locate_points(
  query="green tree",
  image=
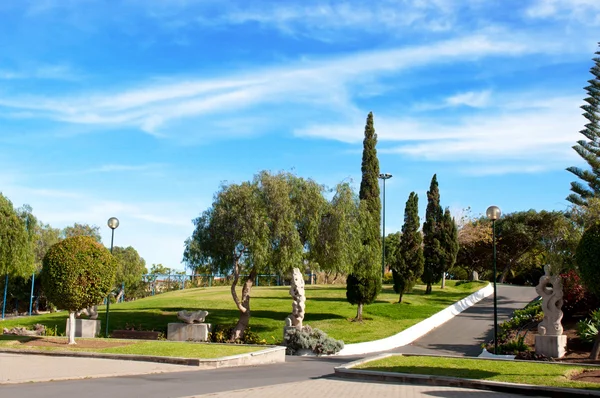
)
(338, 241)
(251, 228)
(588, 258)
(77, 229)
(46, 237)
(130, 268)
(78, 273)
(159, 269)
(589, 149)
(449, 242)
(392, 243)
(16, 254)
(408, 261)
(433, 250)
(364, 283)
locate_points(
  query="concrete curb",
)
(273, 354)
(420, 329)
(346, 372)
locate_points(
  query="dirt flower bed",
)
(57, 342)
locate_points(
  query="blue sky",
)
(140, 108)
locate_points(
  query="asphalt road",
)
(464, 334)
(461, 335)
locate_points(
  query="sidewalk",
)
(333, 388)
(16, 368)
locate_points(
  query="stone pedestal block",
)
(551, 346)
(188, 331)
(87, 328)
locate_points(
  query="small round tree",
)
(588, 260)
(78, 273)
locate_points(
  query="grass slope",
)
(504, 371)
(326, 309)
(156, 348)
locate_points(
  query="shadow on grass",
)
(22, 339)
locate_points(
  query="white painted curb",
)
(420, 329)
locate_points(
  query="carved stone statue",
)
(192, 316)
(91, 312)
(299, 297)
(550, 288)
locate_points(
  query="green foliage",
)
(78, 273)
(588, 258)
(221, 333)
(589, 150)
(364, 283)
(408, 261)
(16, 248)
(520, 318)
(45, 237)
(449, 240)
(433, 250)
(312, 339)
(130, 268)
(587, 329)
(93, 231)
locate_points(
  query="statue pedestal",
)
(86, 328)
(188, 331)
(551, 346)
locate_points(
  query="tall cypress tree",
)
(449, 243)
(364, 282)
(432, 237)
(589, 150)
(407, 264)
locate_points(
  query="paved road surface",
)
(464, 334)
(310, 376)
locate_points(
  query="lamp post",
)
(494, 213)
(383, 176)
(113, 223)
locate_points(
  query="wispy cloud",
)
(328, 82)
(42, 72)
(578, 11)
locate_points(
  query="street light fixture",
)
(494, 213)
(113, 223)
(383, 176)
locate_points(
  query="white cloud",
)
(578, 11)
(329, 82)
(475, 99)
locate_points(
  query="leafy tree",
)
(589, 150)
(16, 255)
(364, 283)
(449, 242)
(78, 273)
(338, 241)
(46, 237)
(588, 258)
(130, 268)
(82, 230)
(475, 241)
(253, 227)
(433, 249)
(408, 260)
(159, 269)
(392, 243)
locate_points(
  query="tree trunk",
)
(359, 312)
(443, 280)
(596, 348)
(400, 298)
(504, 274)
(243, 304)
(428, 289)
(72, 327)
(121, 292)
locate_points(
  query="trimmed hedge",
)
(78, 272)
(588, 258)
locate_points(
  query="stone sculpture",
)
(192, 316)
(91, 312)
(38, 330)
(299, 297)
(551, 291)
(550, 341)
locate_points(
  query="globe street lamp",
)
(383, 176)
(113, 223)
(494, 213)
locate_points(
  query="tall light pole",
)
(494, 213)
(113, 223)
(383, 176)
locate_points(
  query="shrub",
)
(574, 293)
(78, 273)
(308, 338)
(221, 334)
(587, 329)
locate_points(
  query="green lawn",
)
(157, 348)
(326, 309)
(505, 371)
